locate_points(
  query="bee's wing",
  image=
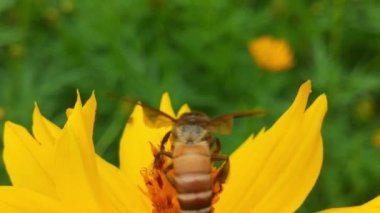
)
(223, 124)
(155, 118)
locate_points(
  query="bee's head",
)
(192, 128)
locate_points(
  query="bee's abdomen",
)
(193, 182)
(195, 201)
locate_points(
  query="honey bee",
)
(194, 149)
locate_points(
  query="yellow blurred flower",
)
(376, 138)
(365, 109)
(51, 14)
(67, 6)
(16, 50)
(57, 170)
(271, 54)
(2, 113)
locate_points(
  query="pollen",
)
(160, 192)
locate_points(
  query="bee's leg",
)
(168, 177)
(159, 161)
(164, 140)
(215, 145)
(222, 174)
(167, 154)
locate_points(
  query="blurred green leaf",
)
(6, 4)
(9, 35)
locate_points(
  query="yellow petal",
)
(28, 162)
(126, 196)
(89, 110)
(284, 162)
(135, 150)
(372, 206)
(44, 130)
(68, 112)
(14, 199)
(115, 183)
(166, 105)
(46, 133)
(76, 175)
(184, 109)
(373, 203)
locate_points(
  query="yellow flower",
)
(376, 138)
(2, 113)
(271, 54)
(67, 6)
(57, 170)
(365, 109)
(16, 50)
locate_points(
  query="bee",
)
(194, 149)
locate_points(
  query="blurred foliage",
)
(197, 50)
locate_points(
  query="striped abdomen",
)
(192, 169)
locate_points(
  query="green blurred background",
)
(197, 51)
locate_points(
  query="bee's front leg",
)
(158, 160)
(223, 171)
(164, 140)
